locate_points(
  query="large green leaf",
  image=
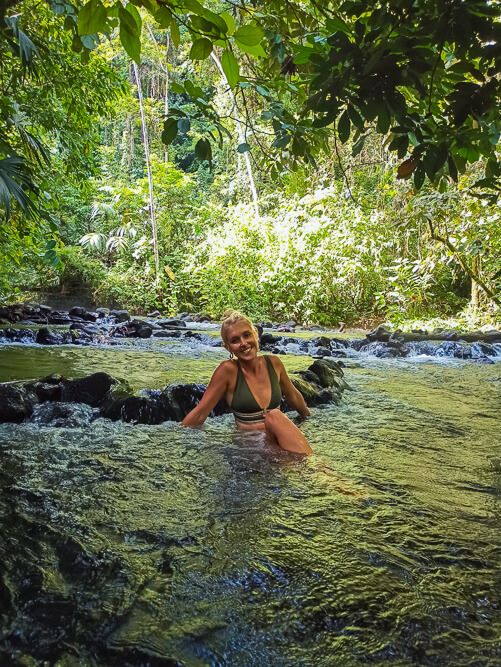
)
(164, 17)
(130, 33)
(230, 67)
(201, 49)
(230, 22)
(170, 131)
(343, 127)
(92, 18)
(250, 34)
(174, 33)
(256, 50)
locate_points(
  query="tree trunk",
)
(166, 94)
(241, 135)
(471, 273)
(476, 291)
(148, 171)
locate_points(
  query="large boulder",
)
(16, 403)
(321, 383)
(92, 389)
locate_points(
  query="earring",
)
(231, 355)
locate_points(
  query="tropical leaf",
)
(230, 67)
(15, 184)
(26, 49)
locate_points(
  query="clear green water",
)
(146, 364)
(132, 545)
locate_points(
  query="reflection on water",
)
(157, 545)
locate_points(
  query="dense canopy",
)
(138, 130)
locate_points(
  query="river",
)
(157, 545)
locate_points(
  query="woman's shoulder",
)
(228, 366)
(276, 362)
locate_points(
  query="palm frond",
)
(26, 49)
(15, 184)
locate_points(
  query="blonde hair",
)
(231, 317)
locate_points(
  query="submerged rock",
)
(65, 415)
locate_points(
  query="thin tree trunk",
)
(241, 135)
(469, 272)
(148, 170)
(166, 94)
(476, 292)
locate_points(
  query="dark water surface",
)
(156, 545)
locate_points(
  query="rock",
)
(16, 403)
(102, 312)
(385, 350)
(57, 317)
(141, 329)
(92, 389)
(326, 373)
(65, 415)
(482, 350)
(132, 329)
(269, 339)
(182, 398)
(322, 352)
(453, 349)
(45, 310)
(381, 334)
(321, 383)
(45, 391)
(287, 327)
(149, 409)
(120, 315)
(90, 329)
(18, 335)
(163, 333)
(321, 341)
(77, 311)
(46, 336)
(155, 313)
(172, 322)
(114, 399)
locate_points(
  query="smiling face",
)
(241, 340)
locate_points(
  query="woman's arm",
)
(293, 396)
(215, 391)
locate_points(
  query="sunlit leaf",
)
(91, 18)
(230, 67)
(201, 49)
(249, 35)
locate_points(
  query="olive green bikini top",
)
(244, 406)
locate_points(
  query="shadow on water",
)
(134, 545)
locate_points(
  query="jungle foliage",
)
(320, 161)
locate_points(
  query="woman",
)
(252, 385)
